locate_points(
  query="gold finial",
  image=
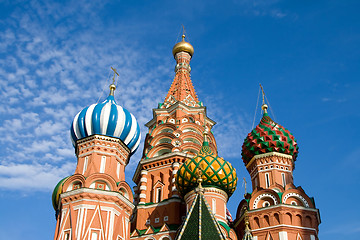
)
(183, 46)
(264, 107)
(112, 85)
(247, 229)
(205, 134)
(199, 176)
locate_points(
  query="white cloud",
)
(29, 177)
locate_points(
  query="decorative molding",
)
(256, 201)
(298, 196)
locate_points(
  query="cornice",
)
(157, 111)
(154, 159)
(99, 192)
(268, 155)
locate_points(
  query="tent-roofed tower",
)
(175, 134)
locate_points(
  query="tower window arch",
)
(169, 130)
(193, 140)
(162, 152)
(163, 140)
(191, 130)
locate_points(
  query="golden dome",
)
(183, 47)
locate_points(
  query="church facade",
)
(182, 185)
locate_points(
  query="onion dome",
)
(108, 119)
(213, 170)
(56, 193)
(267, 137)
(183, 47)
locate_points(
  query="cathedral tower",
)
(175, 134)
(95, 202)
(276, 209)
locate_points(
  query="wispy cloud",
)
(54, 71)
(261, 8)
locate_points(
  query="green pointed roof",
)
(200, 223)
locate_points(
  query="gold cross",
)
(115, 73)
(263, 94)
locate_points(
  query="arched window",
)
(193, 140)
(190, 130)
(162, 152)
(163, 140)
(169, 130)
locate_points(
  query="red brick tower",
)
(96, 203)
(276, 209)
(175, 134)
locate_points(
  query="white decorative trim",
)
(266, 202)
(170, 200)
(283, 225)
(142, 195)
(267, 155)
(100, 192)
(175, 164)
(143, 179)
(142, 187)
(298, 196)
(283, 235)
(262, 196)
(144, 172)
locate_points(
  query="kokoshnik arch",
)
(182, 185)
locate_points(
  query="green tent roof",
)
(200, 223)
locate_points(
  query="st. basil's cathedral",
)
(182, 184)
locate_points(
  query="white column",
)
(283, 236)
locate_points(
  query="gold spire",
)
(183, 46)
(264, 107)
(112, 85)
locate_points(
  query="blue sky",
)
(55, 59)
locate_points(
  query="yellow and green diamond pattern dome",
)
(214, 171)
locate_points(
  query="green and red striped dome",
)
(267, 137)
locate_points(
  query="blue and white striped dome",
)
(109, 119)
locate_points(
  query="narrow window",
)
(103, 163)
(118, 170)
(158, 194)
(256, 182)
(94, 236)
(67, 236)
(85, 164)
(267, 180)
(283, 179)
(214, 206)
